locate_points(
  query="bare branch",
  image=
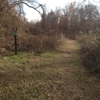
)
(35, 8)
(3, 7)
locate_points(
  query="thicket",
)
(90, 50)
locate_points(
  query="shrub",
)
(38, 44)
(90, 51)
(28, 42)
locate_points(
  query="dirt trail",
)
(73, 91)
(72, 81)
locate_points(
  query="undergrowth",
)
(90, 51)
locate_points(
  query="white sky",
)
(50, 4)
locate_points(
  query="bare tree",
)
(18, 5)
(79, 18)
(11, 13)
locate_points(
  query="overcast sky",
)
(50, 4)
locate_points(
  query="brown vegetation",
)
(90, 51)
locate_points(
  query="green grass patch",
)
(18, 58)
(14, 59)
(39, 76)
(33, 92)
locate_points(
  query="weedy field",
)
(56, 75)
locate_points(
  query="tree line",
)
(72, 19)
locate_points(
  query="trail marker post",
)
(15, 37)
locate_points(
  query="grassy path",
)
(54, 75)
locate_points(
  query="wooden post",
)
(15, 37)
(15, 44)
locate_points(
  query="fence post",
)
(15, 37)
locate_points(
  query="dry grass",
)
(56, 75)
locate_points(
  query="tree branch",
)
(3, 7)
(35, 8)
